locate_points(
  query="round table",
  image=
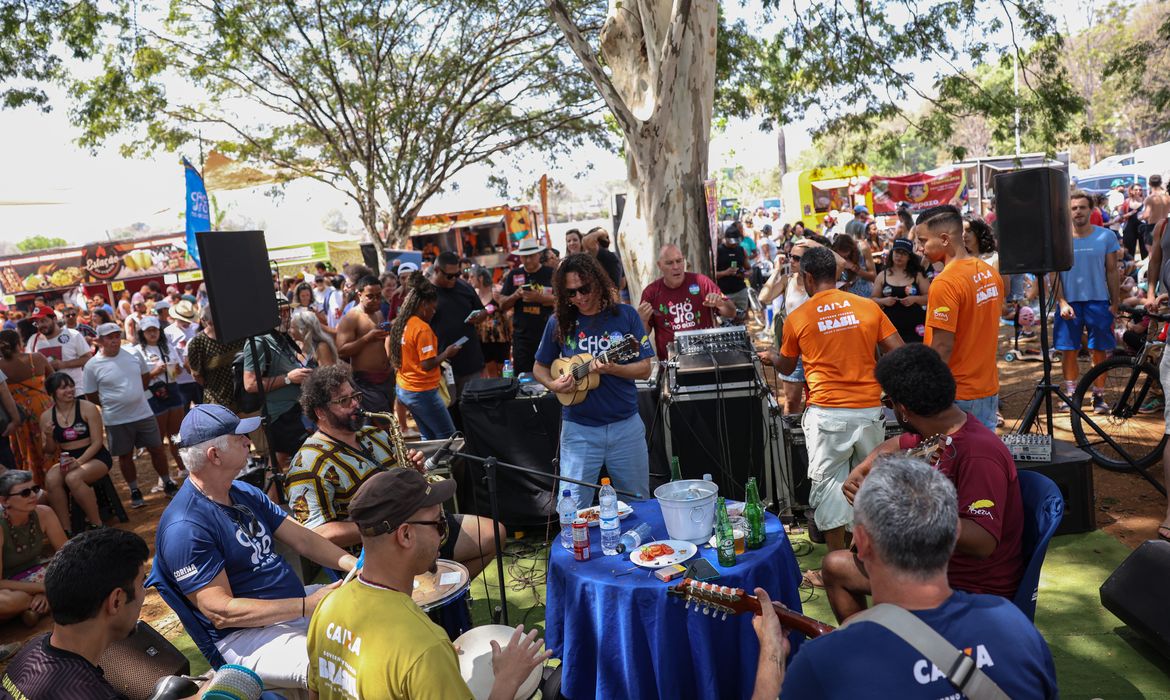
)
(623, 637)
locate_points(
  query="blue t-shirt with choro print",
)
(615, 398)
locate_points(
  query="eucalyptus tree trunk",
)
(661, 90)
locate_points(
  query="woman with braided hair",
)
(605, 428)
(413, 351)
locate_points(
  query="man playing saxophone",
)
(344, 452)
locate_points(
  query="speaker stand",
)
(1046, 390)
(275, 480)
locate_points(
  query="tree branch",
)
(630, 124)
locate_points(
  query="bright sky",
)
(81, 196)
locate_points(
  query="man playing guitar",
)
(987, 556)
(605, 428)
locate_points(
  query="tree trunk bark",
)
(667, 155)
(782, 153)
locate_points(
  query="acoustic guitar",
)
(713, 599)
(582, 366)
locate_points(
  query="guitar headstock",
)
(624, 350)
(931, 450)
(714, 599)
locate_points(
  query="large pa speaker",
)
(1136, 593)
(1033, 221)
(239, 283)
(134, 664)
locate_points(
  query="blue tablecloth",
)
(623, 637)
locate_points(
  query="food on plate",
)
(590, 514)
(654, 551)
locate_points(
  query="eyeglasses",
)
(251, 526)
(583, 290)
(794, 258)
(448, 275)
(26, 492)
(347, 400)
(440, 525)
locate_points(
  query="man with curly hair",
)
(343, 454)
(605, 428)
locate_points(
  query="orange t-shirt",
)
(836, 334)
(418, 343)
(965, 299)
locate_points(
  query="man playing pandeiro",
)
(605, 428)
(343, 454)
(987, 557)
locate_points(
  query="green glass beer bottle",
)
(675, 470)
(753, 513)
(724, 535)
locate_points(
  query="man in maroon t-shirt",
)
(987, 557)
(680, 300)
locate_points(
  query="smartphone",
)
(701, 570)
(384, 325)
(461, 341)
(473, 315)
(528, 287)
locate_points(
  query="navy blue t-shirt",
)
(1003, 642)
(615, 398)
(198, 538)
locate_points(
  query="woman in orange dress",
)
(25, 372)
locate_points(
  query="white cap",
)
(148, 322)
(407, 267)
(108, 328)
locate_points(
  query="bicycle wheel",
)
(1141, 436)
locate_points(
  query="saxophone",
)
(389, 422)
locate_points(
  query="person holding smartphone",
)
(412, 347)
(527, 291)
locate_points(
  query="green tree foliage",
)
(32, 36)
(40, 243)
(385, 100)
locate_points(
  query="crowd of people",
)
(906, 320)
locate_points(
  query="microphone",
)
(443, 453)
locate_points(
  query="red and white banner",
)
(920, 190)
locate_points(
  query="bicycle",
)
(1137, 439)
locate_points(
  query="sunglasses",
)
(440, 525)
(449, 275)
(251, 525)
(26, 492)
(347, 400)
(583, 290)
(794, 258)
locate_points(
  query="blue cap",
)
(860, 209)
(208, 421)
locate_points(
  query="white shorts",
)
(837, 440)
(278, 653)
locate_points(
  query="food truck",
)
(486, 236)
(810, 195)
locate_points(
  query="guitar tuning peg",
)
(724, 615)
(706, 610)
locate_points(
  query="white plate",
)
(475, 661)
(624, 511)
(683, 550)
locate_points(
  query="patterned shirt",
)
(325, 475)
(212, 361)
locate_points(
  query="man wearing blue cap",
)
(236, 596)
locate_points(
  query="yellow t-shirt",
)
(366, 641)
(418, 343)
(836, 334)
(965, 299)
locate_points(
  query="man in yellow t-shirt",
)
(962, 312)
(836, 334)
(368, 639)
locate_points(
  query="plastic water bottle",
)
(610, 527)
(508, 372)
(567, 510)
(632, 539)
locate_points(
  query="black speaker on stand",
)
(243, 302)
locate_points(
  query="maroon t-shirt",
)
(679, 309)
(984, 475)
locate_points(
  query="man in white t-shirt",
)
(115, 379)
(67, 350)
(180, 332)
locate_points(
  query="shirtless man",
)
(1157, 204)
(361, 340)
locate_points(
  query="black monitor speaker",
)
(239, 283)
(1136, 593)
(1031, 207)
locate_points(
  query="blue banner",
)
(198, 210)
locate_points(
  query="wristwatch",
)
(287, 381)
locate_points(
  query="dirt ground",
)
(1128, 507)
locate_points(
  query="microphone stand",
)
(489, 465)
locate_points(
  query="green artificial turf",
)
(1096, 655)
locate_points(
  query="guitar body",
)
(565, 365)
